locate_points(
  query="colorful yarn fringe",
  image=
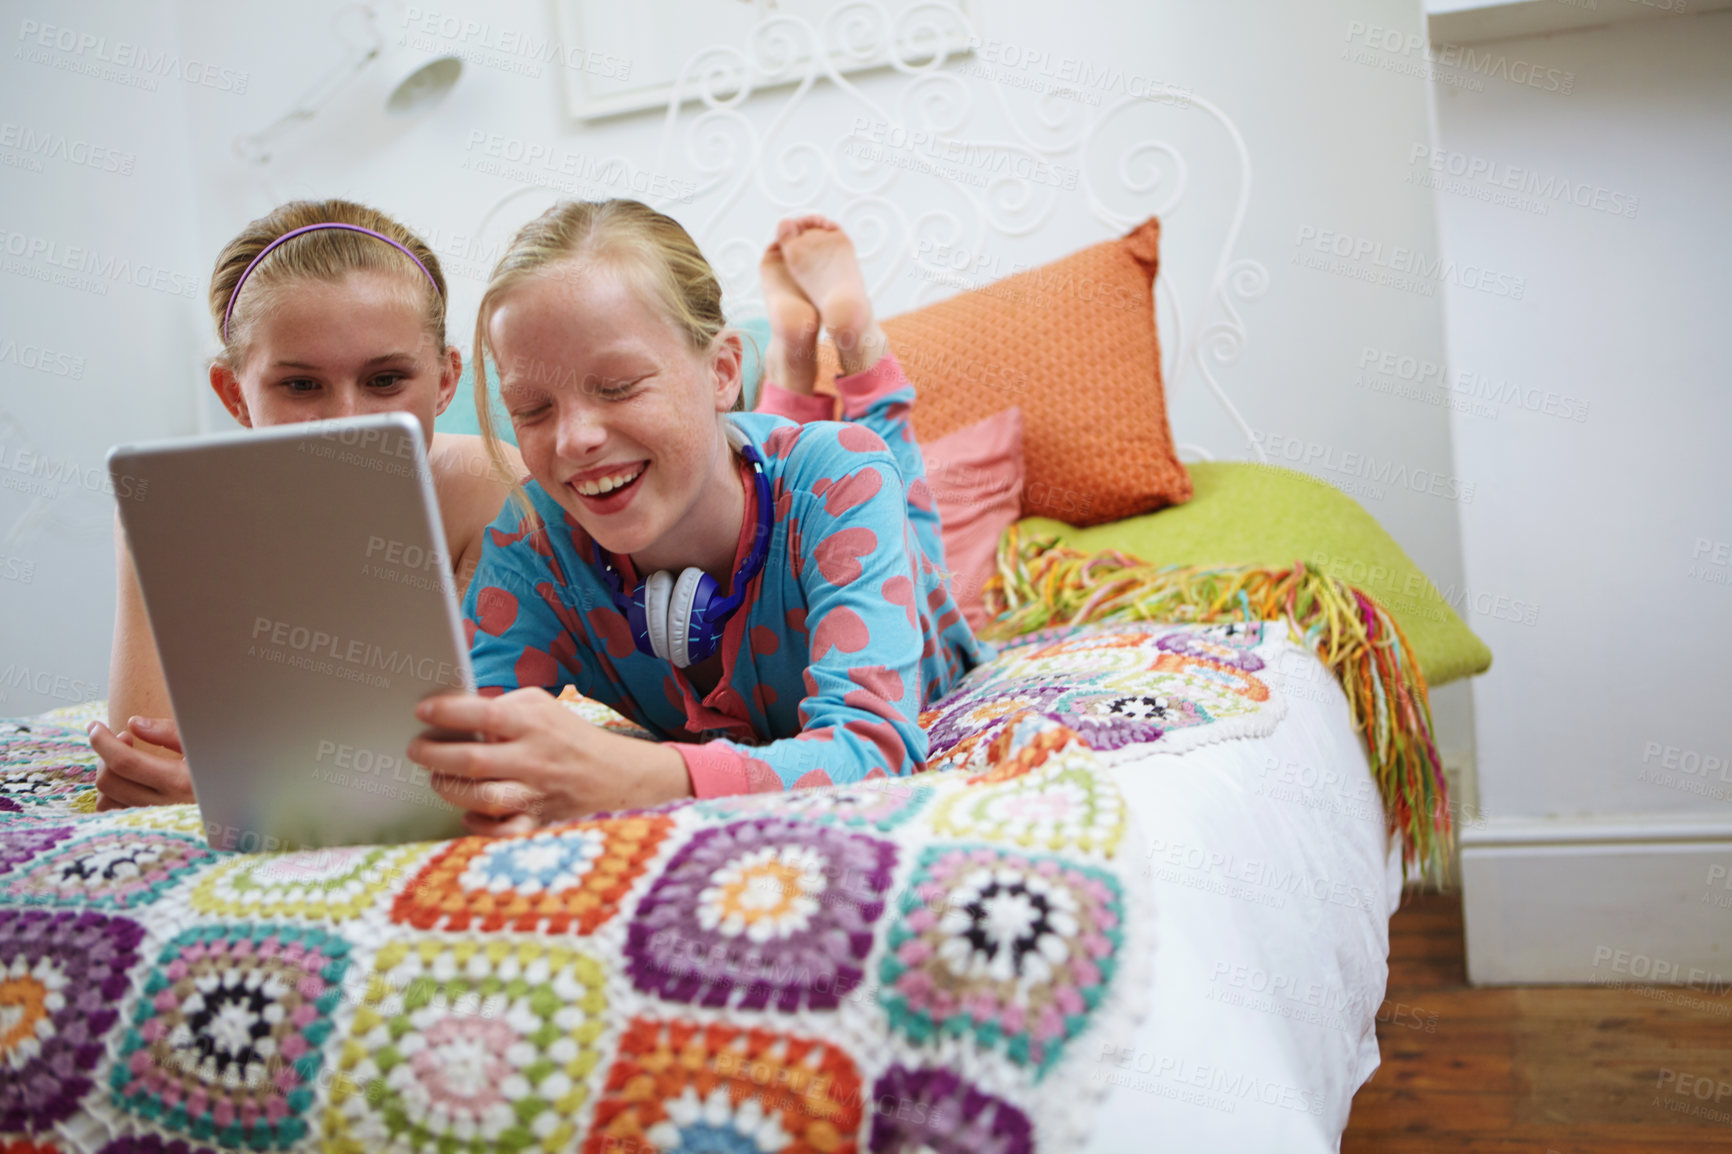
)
(1041, 583)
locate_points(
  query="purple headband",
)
(294, 232)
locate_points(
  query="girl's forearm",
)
(136, 686)
(647, 772)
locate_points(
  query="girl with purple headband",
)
(324, 309)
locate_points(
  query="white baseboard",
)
(1638, 900)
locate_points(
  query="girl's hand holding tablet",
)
(538, 762)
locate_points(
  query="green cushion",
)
(1247, 514)
(459, 415)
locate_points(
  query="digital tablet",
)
(300, 592)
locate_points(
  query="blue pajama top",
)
(846, 633)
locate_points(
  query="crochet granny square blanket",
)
(931, 963)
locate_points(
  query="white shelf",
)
(1473, 21)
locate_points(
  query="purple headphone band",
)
(294, 232)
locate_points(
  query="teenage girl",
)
(325, 309)
(762, 595)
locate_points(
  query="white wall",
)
(1604, 747)
(98, 257)
(1327, 130)
(1599, 521)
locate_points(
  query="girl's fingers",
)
(494, 798)
(158, 731)
(125, 792)
(156, 780)
(465, 759)
(498, 718)
(107, 745)
(480, 825)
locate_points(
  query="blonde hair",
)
(325, 255)
(623, 234)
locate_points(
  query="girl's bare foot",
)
(821, 258)
(791, 361)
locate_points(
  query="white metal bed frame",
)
(726, 142)
(732, 154)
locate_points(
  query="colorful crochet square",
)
(1229, 644)
(600, 715)
(1223, 690)
(941, 1112)
(879, 804)
(469, 1046)
(20, 845)
(151, 1144)
(171, 818)
(1067, 804)
(569, 879)
(1024, 746)
(1014, 949)
(333, 884)
(121, 869)
(680, 1086)
(44, 765)
(226, 1039)
(762, 913)
(959, 727)
(1115, 685)
(61, 975)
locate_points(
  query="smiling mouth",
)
(613, 483)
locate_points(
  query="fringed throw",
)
(1041, 583)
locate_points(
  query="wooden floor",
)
(1538, 1069)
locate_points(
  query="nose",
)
(580, 434)
(346, 402)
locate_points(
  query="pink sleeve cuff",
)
(779, 402)
(715, 770)
(859, 390)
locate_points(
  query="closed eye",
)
(618, 389)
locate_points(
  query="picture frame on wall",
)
(625, 58)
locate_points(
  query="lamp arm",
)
(256, 147)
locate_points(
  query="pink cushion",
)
(976, 475)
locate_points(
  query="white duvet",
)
(1273, 882)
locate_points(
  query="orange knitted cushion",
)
(1073, 344)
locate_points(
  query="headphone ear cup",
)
(688, 640)
(655, 611)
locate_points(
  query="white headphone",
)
(667, 613)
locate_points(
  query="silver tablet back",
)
(301, 596)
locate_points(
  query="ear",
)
(227, 387)
(727, 358)
(449, 375)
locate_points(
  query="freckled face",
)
(346, 348)
(617, 416)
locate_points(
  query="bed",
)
(1175, 823)
(1249, 868)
